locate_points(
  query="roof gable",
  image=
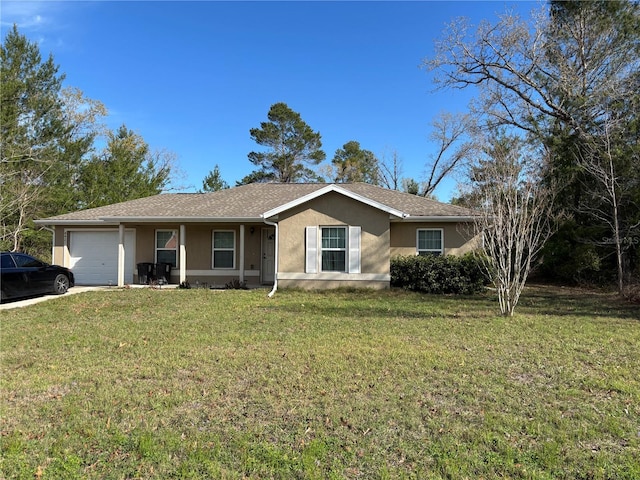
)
(333, 188)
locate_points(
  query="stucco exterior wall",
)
(198, 243)
(253, 246)
(145, 243)
(59, 249)
(404, 237)
(330, 210)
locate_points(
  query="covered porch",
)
(202, 254)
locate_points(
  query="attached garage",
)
(93, 256)
(301, 235)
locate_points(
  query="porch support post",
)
(241, 260)
(121, 255)
(183, 254)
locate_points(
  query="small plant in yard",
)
(155, 384)
(236, 284)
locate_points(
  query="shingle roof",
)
(250, 202)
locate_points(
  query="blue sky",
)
(194, 77)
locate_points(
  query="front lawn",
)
(146, 383)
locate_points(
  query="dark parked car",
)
(25, 276)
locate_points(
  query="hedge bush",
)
(439, 274)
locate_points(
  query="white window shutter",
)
(311, 257)
(354, 249)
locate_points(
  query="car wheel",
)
(61, 284)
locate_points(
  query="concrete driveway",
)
(32, 301)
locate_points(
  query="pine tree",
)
(43, 143)
(292, 146)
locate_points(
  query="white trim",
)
(97, 229)
(121, 264)
(182, 259)
(376, 277)
(443, 219)
(353, 258)
(213, 250)
(222, 273)
(337, 189)
(73, 223)
(157, 219)
(115, 221)
(429, 229)
(311, 249)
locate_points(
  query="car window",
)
(7, 262)
(27, 261)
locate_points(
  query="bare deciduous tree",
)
(554, 79)
(515, 215)
(554, 70)
(450, 134)
(390, 170)
(19, 194)
(604, 204)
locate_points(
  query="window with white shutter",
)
(311, 258)
(332, 249)
(354, 249)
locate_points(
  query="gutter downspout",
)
(275, 269)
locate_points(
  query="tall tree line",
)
(568, 84)
(49, 164)
(293, 153)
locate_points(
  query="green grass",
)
(146, 383)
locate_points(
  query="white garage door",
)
(94, 257)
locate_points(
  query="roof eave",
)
(165, 219)
(64, 222)
(333, 188)
(118, 220)
(439, 218)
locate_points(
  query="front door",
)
(268, 269)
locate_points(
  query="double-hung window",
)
(224, 249)
(167, 247)
(429, 241)
(334, 249)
